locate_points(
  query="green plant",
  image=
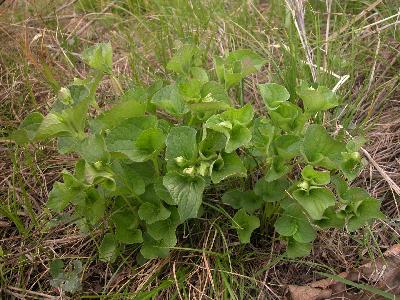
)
(143, 173)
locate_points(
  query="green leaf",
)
(169, 99)
(121, 138)
(61, 195)
(288, 117)
(148, 145)
(51, 126)
(26, 131)
(165, 229)
(129, 181)
(316, 100)
(250, 61)
(315, 201)
(247, 200)
(186, 191)
(320, 149)
(117, 115)
(153, 211)
(278, 168)
(126, 230)
(351, 164)
(286, 225)
(99, 175)
(242, 116)
(93, 149)
(263, 133)
(296, 249)
(315, 177)
(183, 59)
(368, 210)
(199, 74)
(212, 143)
(273, 95)
(332, 219)
(232, 123)
(181, 145)
(271, 191)
(232, 166)
(294, 223)
(99, 57)
(287, 146)
(108, 250)
(245, 225)
(215, 91)
(152, 248)
(93, 206)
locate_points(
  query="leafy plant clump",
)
(145, 163)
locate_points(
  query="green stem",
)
(156, 165)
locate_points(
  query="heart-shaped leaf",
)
(273, 95)
(245, 224)
(315, 201)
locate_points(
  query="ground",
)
(350, 45)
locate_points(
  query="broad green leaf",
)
(271, 191)
(126, 230)
(287, 146)
(242, 116)
(183, 59)
(247, 200)
(294, 223)
(351, 164)
(93, 149)
(296, 249)
(368, 210)
(61, 195)
(286, 225)
(148, 145)
(152, 248)
(332, 218)
(320, 149)
(162, 192)
(245, 225)
(26, 132)
(250, 61)
(215, 91)
(341, 185)
(199, 74)
(289, 117)
(181, 145)
(278, 168)
(128, 180)
(121, 138)
(315, 201)
(190, 89)
(108, 250)
(263, 133)
(232, 166)
(117, 115)
(186, 191)
(212, 143)
(273, 95)
(165, 229)
(153, 211)
(315, 177)
(99, 175)
(169, 99)
(93, 206)
(239, 136)
(355, 144)
(51, 126)
(316, 100)
(99, 57)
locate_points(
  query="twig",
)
(381, 171)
